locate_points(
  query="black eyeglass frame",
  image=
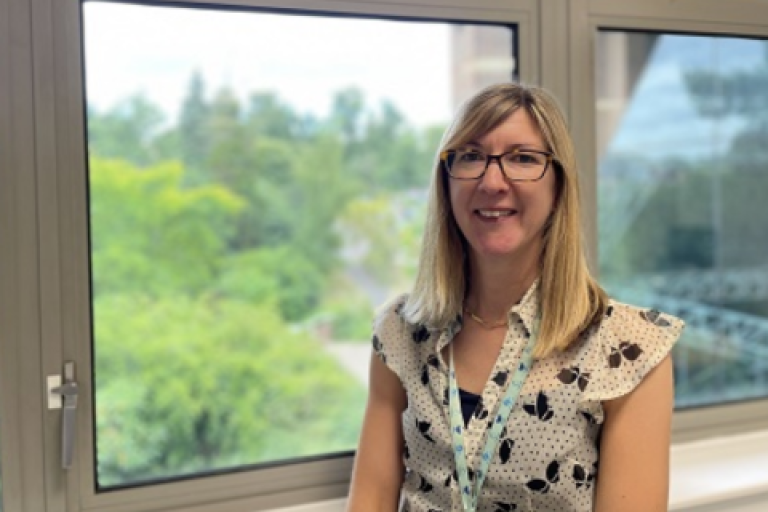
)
(551, 160)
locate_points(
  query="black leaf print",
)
(481, 412)
(541, 408)
(583, 381)
(505, 450)
(424, 486)
(424, 427)
(630, 350)
(568, 375)
(504, 507)
(501, 378)
(579, 473)
(574, 374)
(470, 474)
(589, 417)
(421, 334)
(582, 477)
(446, 397)
(654, 316)
(406, 451)
(553, 472)
(433, 361)
(608, 311)
(537, 485)
(425, 375)
(377, 343)
(552, 477)
(455, 476)
(626, 350)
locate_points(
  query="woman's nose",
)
(494, 179)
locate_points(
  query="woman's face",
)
(503, 219)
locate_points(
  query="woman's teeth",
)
(495, 213)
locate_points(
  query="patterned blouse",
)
(547, 458)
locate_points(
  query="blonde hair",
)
(570, 298)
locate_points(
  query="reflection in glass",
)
(683, 172)
(257, 185)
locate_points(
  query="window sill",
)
(719, 471)
(713, 472)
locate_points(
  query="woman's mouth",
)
(495, 213)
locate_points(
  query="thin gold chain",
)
(483, 323)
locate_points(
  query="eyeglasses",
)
(517, 165)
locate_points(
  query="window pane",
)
(257, 183)
(682, 130)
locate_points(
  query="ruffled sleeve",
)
(389, 336)
(630, 342)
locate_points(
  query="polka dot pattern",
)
(547, 458)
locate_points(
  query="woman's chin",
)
(503, 250)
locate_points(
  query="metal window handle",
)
(68, 392)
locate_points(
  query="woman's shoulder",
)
(627, 343)
(645, 323)
(397, 341)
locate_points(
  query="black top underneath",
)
(468, 404)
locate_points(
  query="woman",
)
(507, 374)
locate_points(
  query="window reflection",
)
(683, 170)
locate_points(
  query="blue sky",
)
(662, 119)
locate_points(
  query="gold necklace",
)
(486, 325)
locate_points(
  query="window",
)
(257, 182)
(683, 170)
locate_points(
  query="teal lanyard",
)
(470, 496)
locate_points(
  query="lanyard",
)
(470, 496)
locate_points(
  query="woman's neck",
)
(494, 288)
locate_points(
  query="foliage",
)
(216, 243)
(187, 385)
(280, 275)
(150, 235)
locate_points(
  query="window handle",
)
(68, 392)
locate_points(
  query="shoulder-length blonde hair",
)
(570, 299)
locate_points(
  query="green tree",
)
(179, 390)
(193, 130)
(152, 235)
(281, 276)
(127, 132)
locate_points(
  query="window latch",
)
(63, 395)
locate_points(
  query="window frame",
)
(660, 16)
(21, 415)
(63, 209)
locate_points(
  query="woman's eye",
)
(472, 156)
(524, 158)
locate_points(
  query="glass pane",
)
(257, 183)
(682, 130)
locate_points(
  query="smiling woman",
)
(544, 379)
